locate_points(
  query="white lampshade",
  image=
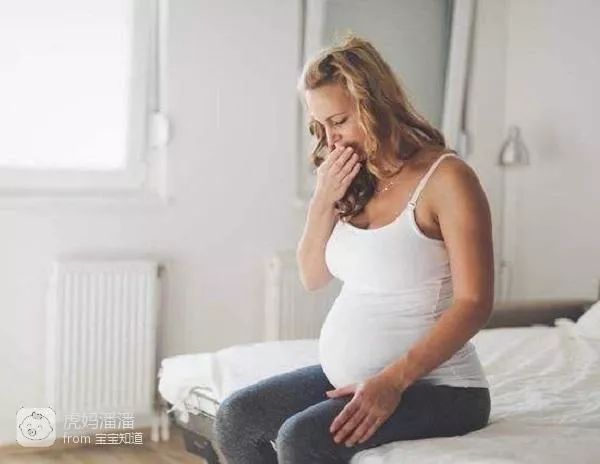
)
(513, 152)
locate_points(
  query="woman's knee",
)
(293, 437)
(232, 414)
(302, 438)
(294, 429)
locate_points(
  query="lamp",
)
(513, 153)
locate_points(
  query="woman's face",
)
(333, 107)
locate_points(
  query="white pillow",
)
(588, 325)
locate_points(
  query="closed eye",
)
(340, 122)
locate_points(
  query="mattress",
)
(544, 387)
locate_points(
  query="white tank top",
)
(396, 284)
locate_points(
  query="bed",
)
(542, 361)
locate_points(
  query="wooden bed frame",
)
(198, 432)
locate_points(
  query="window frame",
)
(147, 132)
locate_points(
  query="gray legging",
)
(290, 412)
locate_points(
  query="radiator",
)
(101, 339)
(291, 312)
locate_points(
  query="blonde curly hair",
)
(392, 126)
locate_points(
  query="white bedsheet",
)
(544, 386)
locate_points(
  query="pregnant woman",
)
(405, 225)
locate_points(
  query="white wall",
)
(553, 71)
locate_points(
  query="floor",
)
(170, 452)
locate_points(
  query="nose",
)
(332, 138)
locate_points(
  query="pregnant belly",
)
(359, 338)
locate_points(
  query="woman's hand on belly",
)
(375, 399)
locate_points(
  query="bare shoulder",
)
(454, 169)
(455, 184)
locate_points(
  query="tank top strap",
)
(413, 200)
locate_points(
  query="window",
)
(81, 95)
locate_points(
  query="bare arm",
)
(333, 178)
(310, 253)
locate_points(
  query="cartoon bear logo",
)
(36, 426)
